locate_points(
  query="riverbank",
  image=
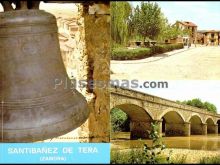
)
(177, 156)
(191, 156)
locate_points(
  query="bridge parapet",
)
(158, 100)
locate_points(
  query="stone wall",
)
(92, 56)
(157, 107)
(177, 129)
(91, 62)
(196, 129)
(97, 38)
(139, 129)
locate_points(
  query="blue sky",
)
(206, 15)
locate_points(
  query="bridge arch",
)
(173, 123)
(178, 113)
(135, 112)
(210, 125)
(159, 108)
(196, 125)
(218, 122)
(140, 120)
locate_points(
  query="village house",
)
(191, 28)
(188, 27)
(209, 37)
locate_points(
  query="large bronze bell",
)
(32, 109)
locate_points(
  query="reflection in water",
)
(122, 140)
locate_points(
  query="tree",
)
(148, 20)
(132, 23)
(119, 120)
(199, 104)
(210, 107)
(171, 31)
(120, 12)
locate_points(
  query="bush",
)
(199, 104)
(130, 54)
(165, 48)
(139, 53)
(119, 120)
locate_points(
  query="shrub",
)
(139, 53)
(119, 120)
(199, 104)
(165, 48)
(153, 153)
(130, 54)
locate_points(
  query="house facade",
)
(188, 27)
(204, 37)
(191, 28)
(209, 37)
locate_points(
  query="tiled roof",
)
(208, 31)
(187, 23)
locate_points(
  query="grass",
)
(210, 160)
(130, 157)
(135, 156)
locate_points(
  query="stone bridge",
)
(174, 119)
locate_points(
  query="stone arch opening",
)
(210, 126)
(218, 122)
(196, 126)
(174, 124)
(163, 125)
(140, 120)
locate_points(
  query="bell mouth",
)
(46, 121)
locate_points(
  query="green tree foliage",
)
(119, 120)
(171, 31)
(132, 24)
(120, 12)
(148, 20)
(199, 104)
(144, 22)
(210, 107)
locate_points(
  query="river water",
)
(210, 142)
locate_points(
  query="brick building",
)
(191, 28)
(209, 37)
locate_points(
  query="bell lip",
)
(45, 132)
(34, 131)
